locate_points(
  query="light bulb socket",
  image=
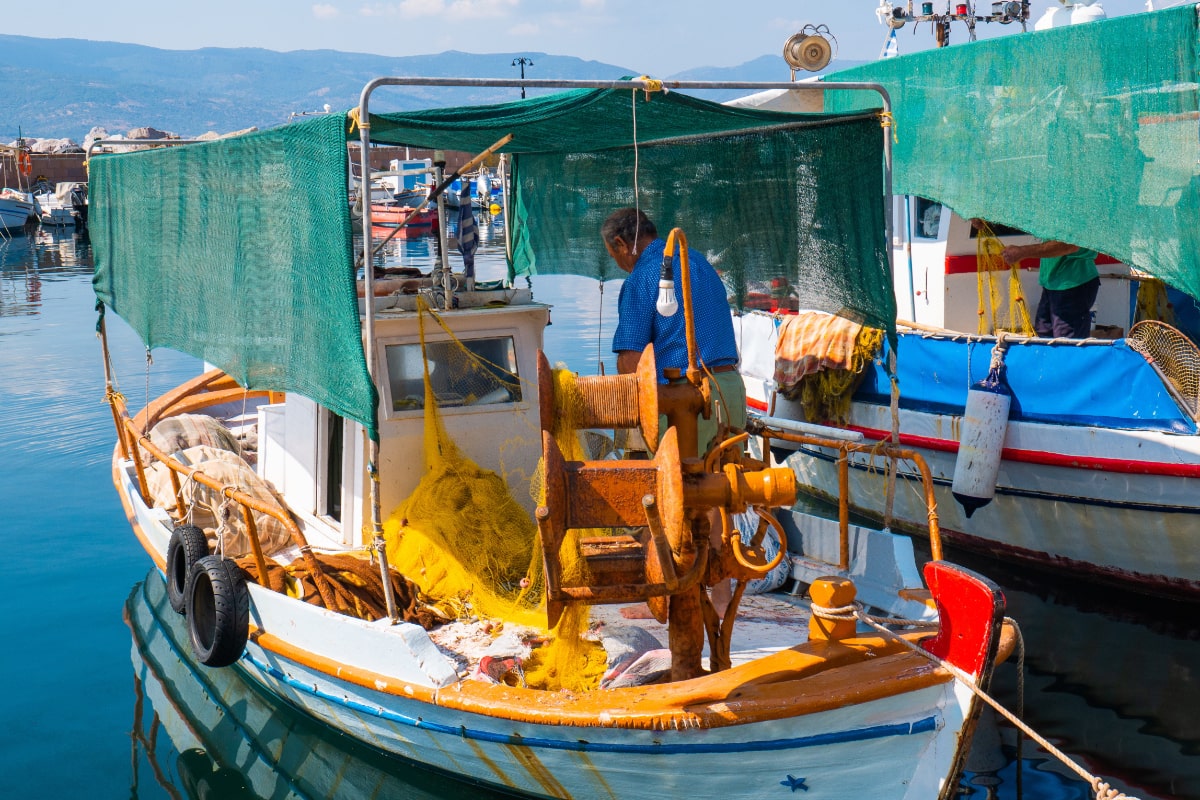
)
(666, 305)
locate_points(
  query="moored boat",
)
(289, 572)
(1098, 457)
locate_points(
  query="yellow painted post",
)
(831, 592)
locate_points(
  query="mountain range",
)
(62, 88)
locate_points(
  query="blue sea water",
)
(94, 706)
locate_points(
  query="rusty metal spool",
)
(608, 401)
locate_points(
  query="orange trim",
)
(803, 680)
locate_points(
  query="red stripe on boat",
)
(1118, 465)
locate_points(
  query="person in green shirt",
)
(1069, 282)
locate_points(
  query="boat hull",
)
(868, 750)
(15, 214)
(1094, 481)
(875, 743)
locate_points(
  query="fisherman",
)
(1069, 282)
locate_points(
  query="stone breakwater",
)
(70, 146)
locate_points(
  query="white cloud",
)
(324, 11)
(592, 4)
(524, 29)
(455, 9)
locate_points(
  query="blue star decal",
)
(794, 783)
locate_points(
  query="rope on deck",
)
(854, 611)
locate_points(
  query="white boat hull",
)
(901, 745)
(868, 750)
(14, 214)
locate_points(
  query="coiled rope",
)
(854, 611)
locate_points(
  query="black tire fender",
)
(218, 611)
(187, 546)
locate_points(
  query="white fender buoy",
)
(985, 421)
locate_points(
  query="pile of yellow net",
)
(826, 395)
(473, 549)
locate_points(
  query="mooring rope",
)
(1103, 791)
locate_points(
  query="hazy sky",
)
(661, 37)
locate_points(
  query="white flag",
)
(890, 47)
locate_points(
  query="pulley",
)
(810, 49)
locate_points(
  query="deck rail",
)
(846, 442)
(210, 389)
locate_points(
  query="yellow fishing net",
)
(992, 319)
(472, 548)
(826, 395)
(1152, 301)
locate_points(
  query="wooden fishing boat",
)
(289, 572)
(392, 215)
(1098, 459)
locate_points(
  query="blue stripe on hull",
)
(926, 725)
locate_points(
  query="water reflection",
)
(209, 733)
(27, 260)
(1112, 679)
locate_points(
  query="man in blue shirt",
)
(632, 241)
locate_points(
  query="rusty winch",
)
(664, 509)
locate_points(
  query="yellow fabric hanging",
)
(988, 262)
(1152, 302)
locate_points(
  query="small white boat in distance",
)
(59, 208)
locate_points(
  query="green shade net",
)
(238, 252)
(764, 194)
(1088, 134)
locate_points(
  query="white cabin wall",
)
(356, 512)
(494, 437)
(1114, 302)
(272, 464)
(301, 466)
(919, 267)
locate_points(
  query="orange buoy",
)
(24, 163)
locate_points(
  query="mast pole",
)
(378, 543)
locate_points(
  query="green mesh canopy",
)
(238, 252)
(1088, 134)
(765, 194)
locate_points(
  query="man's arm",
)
(1048, 249)
(627, 361)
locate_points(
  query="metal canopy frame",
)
(643, 84)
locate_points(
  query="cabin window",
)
(473, 372)
(927, 215)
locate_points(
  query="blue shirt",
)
(640, 323)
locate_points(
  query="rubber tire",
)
(188, 545)
(218, 611)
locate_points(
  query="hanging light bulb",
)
(666, 305)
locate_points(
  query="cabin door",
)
(339, 486)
